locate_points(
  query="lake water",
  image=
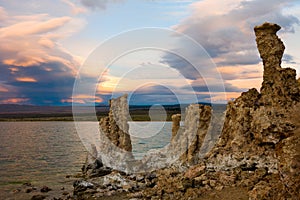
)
(43, 153)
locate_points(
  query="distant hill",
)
(18, 112)
(15, 108)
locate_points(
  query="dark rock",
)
(38, 197)
(45, 189)
(140, 178)
(100, 172)
(98, 163)
(16, 190)
(28, 190)
(81, 185)
(27, 184)
(151, 176)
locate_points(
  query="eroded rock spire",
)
(115, 126)
(279, 86)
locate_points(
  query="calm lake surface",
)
(43, 153)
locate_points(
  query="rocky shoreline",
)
(256, 156)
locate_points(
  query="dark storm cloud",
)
(203, 65)
(48, 87)
(185, 68)
(234, 59)
(288, 59)
(156, 94)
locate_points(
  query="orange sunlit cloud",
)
(22, 28)
(73, 101)
(14, 100)
(244, 72)
(109, 85)
(75, 9)
(247, 83)
(13, 70)
(221, 97)
(26, 79)
(3, 89)
(32, 40)
(82, 99)
(23, 63)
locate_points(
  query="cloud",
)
(201, 86)
(83, 99)
(205, 66)
(32, 27)
(34, 67)
(37, 84)
(3, 14)
(242, 72)
(55, 8)
(166, 94)
(3, 89)
(243, 57)
(225, 29)
(26, 79)
(34, 40)
(75, 9)
(98, 4)
(289, 59)
(14, 101)
(154, 90)
(102, 4)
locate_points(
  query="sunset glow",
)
(83, 99)
(45, 43)
(3, 89)
(26, 79)
(15, 101)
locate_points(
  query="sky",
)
(48, 46)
